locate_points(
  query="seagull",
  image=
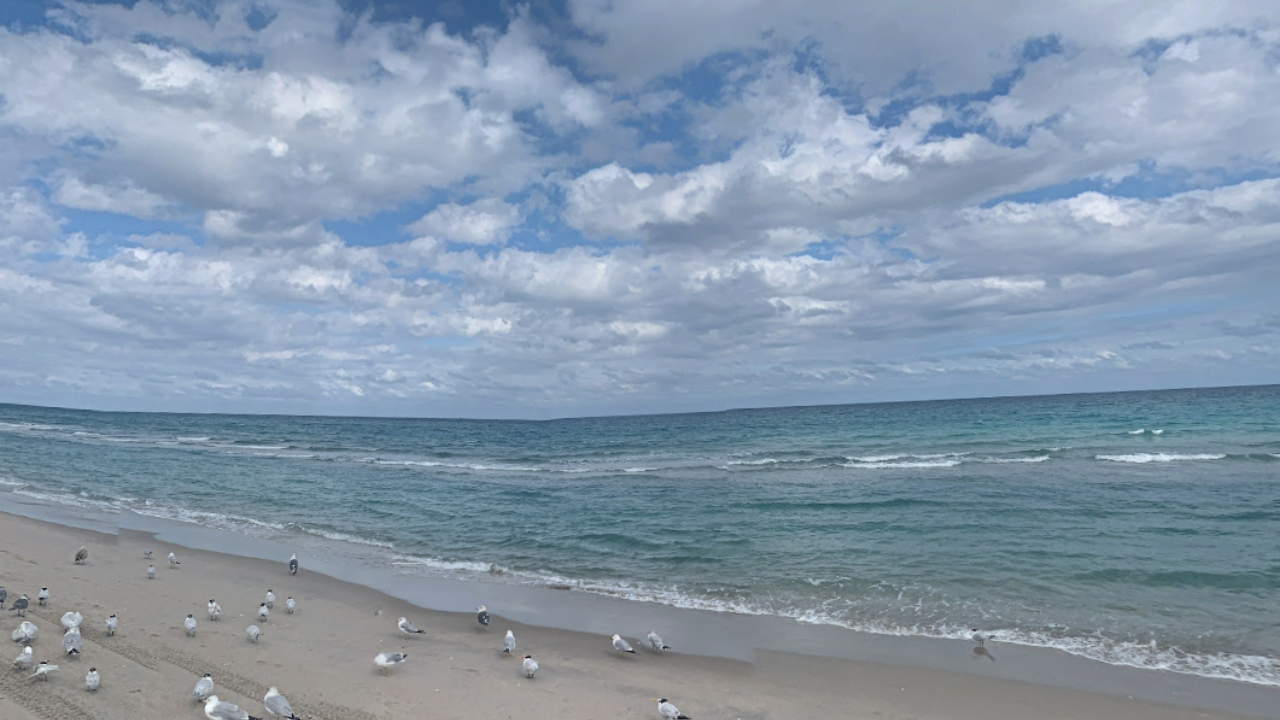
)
(215, 610)
(622, 646)
(277, 705)
(151, 572)
(81, 556)
(25, 632)
(190, 626)
(204, 687)
(530, 666)
(669, 711)
(71, 642)
(289, 605)
(21, 605)
(980, 638)
(42, 597)
(271, 599)
(147, 553)
(263, 612)
(91, 679)
(71, 620)
(253, 632)
(293, 563)
(173, 560)
(508, 643)
(655, 641)
(482, 616)
(3, 594)
(43, 670)
(215, 709)
(386, 660)
(112, 624)
(408, 628)
(25, 659)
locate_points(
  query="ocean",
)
(1138, 528)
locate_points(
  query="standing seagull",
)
(215, 709)
(42, 597)
(20, 605)
(482, 616)
(386, 660)
(530, 666)
(408, 628)
(293, 563)
(981, 639)
(81, 556)
(622, 646)
(146, 553)
(655, 641)
(112, 624)
(71, 620)
(278, 705)
(151, 572)
(71, 642)
(669, 711)
(43, 670)
(91, 679)
(190, 626)
(215, 610)
(253, 632)
(25, 633)
(3, 594)
(173, 560)
(25, 659)
(263, 612)
(509, 644)
(271, 599)
(289, 605)
(203, 689)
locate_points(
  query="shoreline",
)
(774, 656)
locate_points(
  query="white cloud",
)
(483, 222)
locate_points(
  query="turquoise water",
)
(1133, 528)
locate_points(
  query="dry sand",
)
(321, 657)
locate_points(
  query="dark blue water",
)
(1134, 528)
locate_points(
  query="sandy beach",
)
(321, 656)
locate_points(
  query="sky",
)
(620, 206)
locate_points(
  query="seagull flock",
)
(275, 704)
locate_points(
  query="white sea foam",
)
(1144, 431)
(343, 537)
(452, 566)
(1142, 458)
(903, 464)
(1004, 461)
(639, 469)
(69, 499)
(761, 461)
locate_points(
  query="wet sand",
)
(321, 657)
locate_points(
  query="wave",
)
(1143, 458)
(1144, 431)
(903, 464)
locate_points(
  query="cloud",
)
(483, 222)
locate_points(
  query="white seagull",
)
(215, 709)
(43, 670)
(271, 599)
(253, 632)
(289, 605)
(215, 610)
(71, 642)
(91, 679)
(482, 616)
(203, 689)
(293, 563)
(25, 659)
(408, 628)
(980, 638)
(20, 605)
(173, 560)
(622, 646)
(189, 624)
(25, 632)
(277, 705)
(42, 597)
(112, 624)
(530, 666)
(151, 572)
(263, 612)
(669, 711)
(386, 660)
(509, 643)
(82, 555)
(71, 620)
(146, 553)
(655, 641)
